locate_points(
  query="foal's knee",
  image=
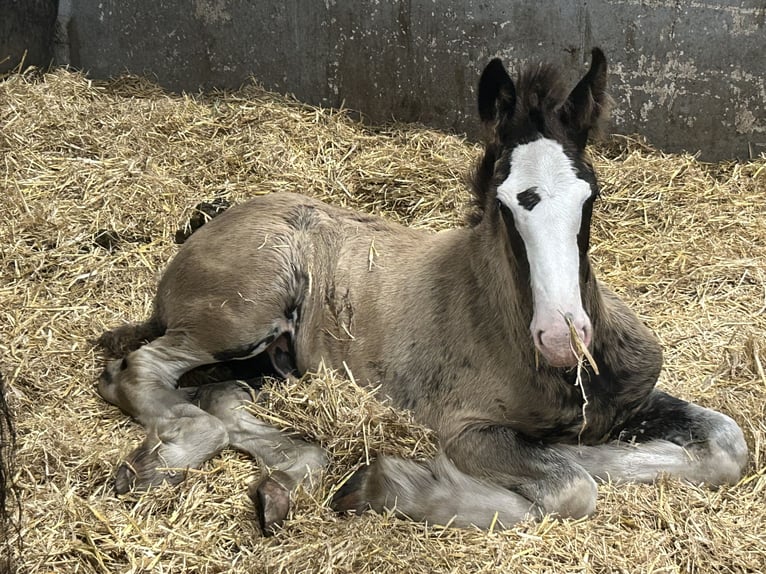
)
(726, 453)
(576, 498)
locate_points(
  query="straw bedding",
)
(96, 181)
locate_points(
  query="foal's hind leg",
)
(669, 436)
(179, 434)
(289, 459)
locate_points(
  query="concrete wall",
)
(688, 74)
(26, 33)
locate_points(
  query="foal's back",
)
(335, 273)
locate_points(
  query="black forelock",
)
(540, 93)
(583, 167)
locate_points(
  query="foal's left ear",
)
(588, 104)
(497, 95)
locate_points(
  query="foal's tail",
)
(125, 339)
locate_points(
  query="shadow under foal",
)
(478, 330)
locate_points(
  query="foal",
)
(476, 330)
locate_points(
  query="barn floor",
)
(96, 179)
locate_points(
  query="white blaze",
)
(549, 231)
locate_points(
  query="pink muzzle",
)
(553, 338)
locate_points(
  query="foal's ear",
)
(497, 96)
(588, 104)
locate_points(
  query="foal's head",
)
(535, 173)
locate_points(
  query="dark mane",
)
(540, 93)
(479, 181)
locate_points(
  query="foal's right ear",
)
(588, 104)
(497, 95)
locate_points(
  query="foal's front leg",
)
(669, 437)
(487, 474)
(434, 491)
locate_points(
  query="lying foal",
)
(477, 330)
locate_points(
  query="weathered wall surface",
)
(26, 33)
(687, 74)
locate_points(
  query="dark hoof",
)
(271, 500)
(146, 467)
(127, 479)
(350, 496)
(124, 478)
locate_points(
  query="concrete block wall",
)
(687, 74)
(26, 33)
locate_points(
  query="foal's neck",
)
(504, 279)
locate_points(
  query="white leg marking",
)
(439, 493)
(721, 459)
